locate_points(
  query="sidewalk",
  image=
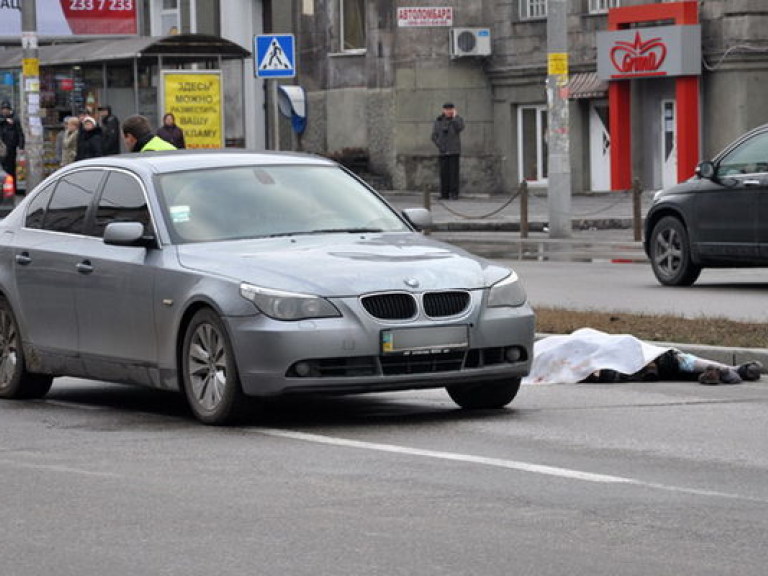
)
(602, 225)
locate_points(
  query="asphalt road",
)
(586, 480)
(736, 294)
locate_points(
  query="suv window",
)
(122, 200)
(71, 199)
(749, 157)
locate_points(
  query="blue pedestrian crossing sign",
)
(275, 56)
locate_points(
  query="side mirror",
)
(706, 170)
(419, 218)
(126, 234)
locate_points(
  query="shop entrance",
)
(668, 144)
(599, 147)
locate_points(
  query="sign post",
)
(275, 58)
(559, 177)
(30, 91)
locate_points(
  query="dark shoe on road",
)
(750, 371)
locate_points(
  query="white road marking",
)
(496, 462)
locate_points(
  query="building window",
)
(532, 143)
(352, 27)
(530, 9)
(170, 17)
(602, 6)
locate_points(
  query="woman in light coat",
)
(69, 142)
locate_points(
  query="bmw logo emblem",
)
(411, 282)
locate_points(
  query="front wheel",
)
(15, 380)
(210, 379)
(481, 395)
(670, 252)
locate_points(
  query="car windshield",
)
(266, 201)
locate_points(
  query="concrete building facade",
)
(376, 77)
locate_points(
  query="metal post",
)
(523, 209)
(559, 194)
(30, 90)
(275, 115)
(636, 209)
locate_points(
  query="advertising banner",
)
(649, 52)
(426, 16)
(194, 98)
(73, 17)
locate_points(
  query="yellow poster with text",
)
(194, 98)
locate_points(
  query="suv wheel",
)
(670, 253)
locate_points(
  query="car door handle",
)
(84, 267)
(23, 258)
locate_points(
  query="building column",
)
(619, 118)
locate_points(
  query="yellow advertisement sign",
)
(30, 67)
(194, 98)
(557, 63)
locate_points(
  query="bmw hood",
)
(343, 264)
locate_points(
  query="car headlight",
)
(288, 305)
(507, 292)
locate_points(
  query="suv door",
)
(727, 207)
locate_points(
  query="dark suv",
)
(717, 219)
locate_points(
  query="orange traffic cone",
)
(9, 190)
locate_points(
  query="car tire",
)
(670, 253)
(210, 379)
(487, 394)
(15, 381)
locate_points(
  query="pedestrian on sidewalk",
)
(138, 136)
(170, 131)
(12, 137)
(446, 136)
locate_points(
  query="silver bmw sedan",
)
(232, 277)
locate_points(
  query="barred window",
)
(530, 9)
(600, 6)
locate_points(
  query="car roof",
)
(180, 160)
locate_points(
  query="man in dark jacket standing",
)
(12, 136)
(110, 131)
(446, 136)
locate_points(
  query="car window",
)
(260, 201)
(749, 157)
(122, 200)
(71, 199)
(36, 208)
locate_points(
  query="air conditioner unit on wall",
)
(470, 42)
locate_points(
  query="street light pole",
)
(30, 91)
(559, 175)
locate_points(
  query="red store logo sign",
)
(639, 57)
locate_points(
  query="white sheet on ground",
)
(571, 358)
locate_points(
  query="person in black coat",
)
(12, 136)
(170, 132)
(89, 144)
(110, 130)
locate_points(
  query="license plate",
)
(428, 340)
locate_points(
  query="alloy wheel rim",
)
(8, 349)
(207, 367)
(668, 251)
